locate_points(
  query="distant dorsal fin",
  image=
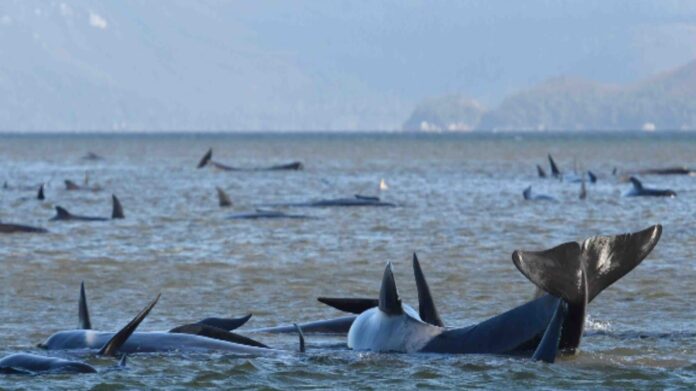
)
(115, 343)
(541, 172)
(527, 193)
(426, 304)
(223, 199)
(389, 301)
(583, 189)
(85, 323)
(62, 213)
(554, 168)
(117, 210)
(592, 176)
(206, 158)
(40, 194)
(636, 183)
(70, 185)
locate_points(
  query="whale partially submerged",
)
(30, 364)
(529, 196)
(569, 277)
(260, 214)
(9, 228)
(638, 190)
(207, 159)
(63, 214)
(72, 186)
(356, 200)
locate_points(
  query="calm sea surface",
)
(461, 209)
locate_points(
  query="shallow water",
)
(461, 209)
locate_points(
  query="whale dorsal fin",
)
(637, 184)
(40, 195)
(541, 172)
(117, 210)
(83, 311)
(223, 198)
(350, 305)
(554, 168)
(70, 185)
(389, 301)
(426, 304)
(592, 176)
(62, 213)
(206, 158)
(111, 347)
(527, 193)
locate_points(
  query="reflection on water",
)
(461, 209)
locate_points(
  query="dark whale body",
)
(208, 159)
(8, 228)
(639, 190)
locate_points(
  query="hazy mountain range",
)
(665, 101)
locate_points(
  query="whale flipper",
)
(83, 311)
(605, 259)
(223, 198)
(216, 333)
(111, 347)
(548, 347)
(389, 301)
(117, 210)
(62, 214)
(541, 172)
(40, 195)
(426, 304)
(350, 305)
(206, 158)
(227, 324)
(554, 168)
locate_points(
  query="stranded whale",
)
(529, 196)
(639, 190)
(62, 214)
(208, 159)
(356, 200)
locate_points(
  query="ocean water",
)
(460, 207)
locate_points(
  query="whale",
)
(259, 214)
(356, 200)
(675, 170)
(72, 186)
(10, 228)
(223, 199)
(204, 336)
(638, 190)
(568, 277)
(529, 196)
(92, 156)
(207, 159)
(63, 214)
(32, 364)
(40, 194)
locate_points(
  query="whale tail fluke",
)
(40, 195)
(555, 172)
(541, 172)
(389, 301)
(83, 311)
(206, 158)
(117, 209)
(223, 199)
(604, 259)
(61, 214)
(115, 343)
(426, 305)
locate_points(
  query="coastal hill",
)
(663, 102)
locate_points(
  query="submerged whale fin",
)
(350, 305)
(389, 301)
(70, 185)
(83, 311)
(206, 158)
(583, 189)
(111, 347)
(637, 184)
(554, 168)
(40, 195)
(426, 304)
(223, 198)
(548, 347)
(592, 176)
(541, 172)
(605, 259)
(117, 209)
(301, 336)
(226, 323)
(213, 332)
(527, 193)
(61, 214)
